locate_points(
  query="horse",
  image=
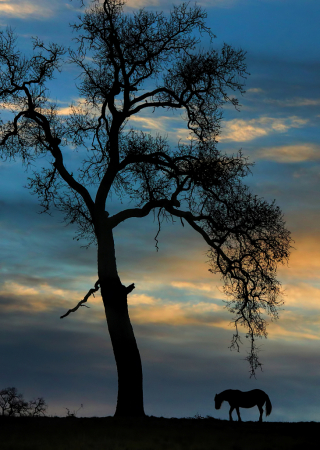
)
(238, 399)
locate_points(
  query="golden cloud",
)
(178, 313)
(137, 4)
(255, 90)
(293, 325)
(241, 130)
(303, 296)
(24, 9)
(304, 262)
(301, 282)
(41, 298)
(23, 298)
(211, 289)
(148, 310)
(276, 332)
(144, 308)
(291, 153)
(142, 299)
(60, 111)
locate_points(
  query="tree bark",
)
(126, 352)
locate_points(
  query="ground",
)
(154, 433)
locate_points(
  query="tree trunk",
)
(127, 356)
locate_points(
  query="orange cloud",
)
(178, 314)
(24, 9)
(291, 153)
(295, 326)
(137, 4)
(247, 130)
(302, 295)
(304, 262)
(41, 298)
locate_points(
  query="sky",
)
(181, 326)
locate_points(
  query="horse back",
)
(246, 399)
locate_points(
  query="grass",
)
(153, 433)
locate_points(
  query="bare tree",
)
(13, 404)
(73, 415)
(37, 407)
(130, 64)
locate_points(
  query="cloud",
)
(61, 111)
(141, 300)
(166, 125)
(22, 10)
(210, 290)
(66, 111)
(242, 130)
(144, 309)
(295, 325)
(294, 102)
(303, 296)
(137, 4)
(255, 91)
(291, 153)
(16, 297)
(149, 310)
(304, 262)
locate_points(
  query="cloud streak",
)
(137, 4)
(24, 9)
(290, 153)
(240, 130)
(166, 125)
(294, 102)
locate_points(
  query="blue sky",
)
(177, 311)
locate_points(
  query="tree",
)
(37, 407)
(129, 64)
(13, 404)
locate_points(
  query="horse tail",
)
(268, 406)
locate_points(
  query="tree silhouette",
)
(130, 64)
(13, 404)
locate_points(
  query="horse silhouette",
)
(238, 399)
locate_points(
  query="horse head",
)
(217, 402)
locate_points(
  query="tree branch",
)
(141, 212)
(54, 142)
(142, 97)
(90, 292)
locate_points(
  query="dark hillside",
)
(152, 433)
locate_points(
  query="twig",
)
(92, 291)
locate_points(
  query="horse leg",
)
(261, 412)
(238, 412)
(230, 413)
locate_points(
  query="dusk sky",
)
(177, 310)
